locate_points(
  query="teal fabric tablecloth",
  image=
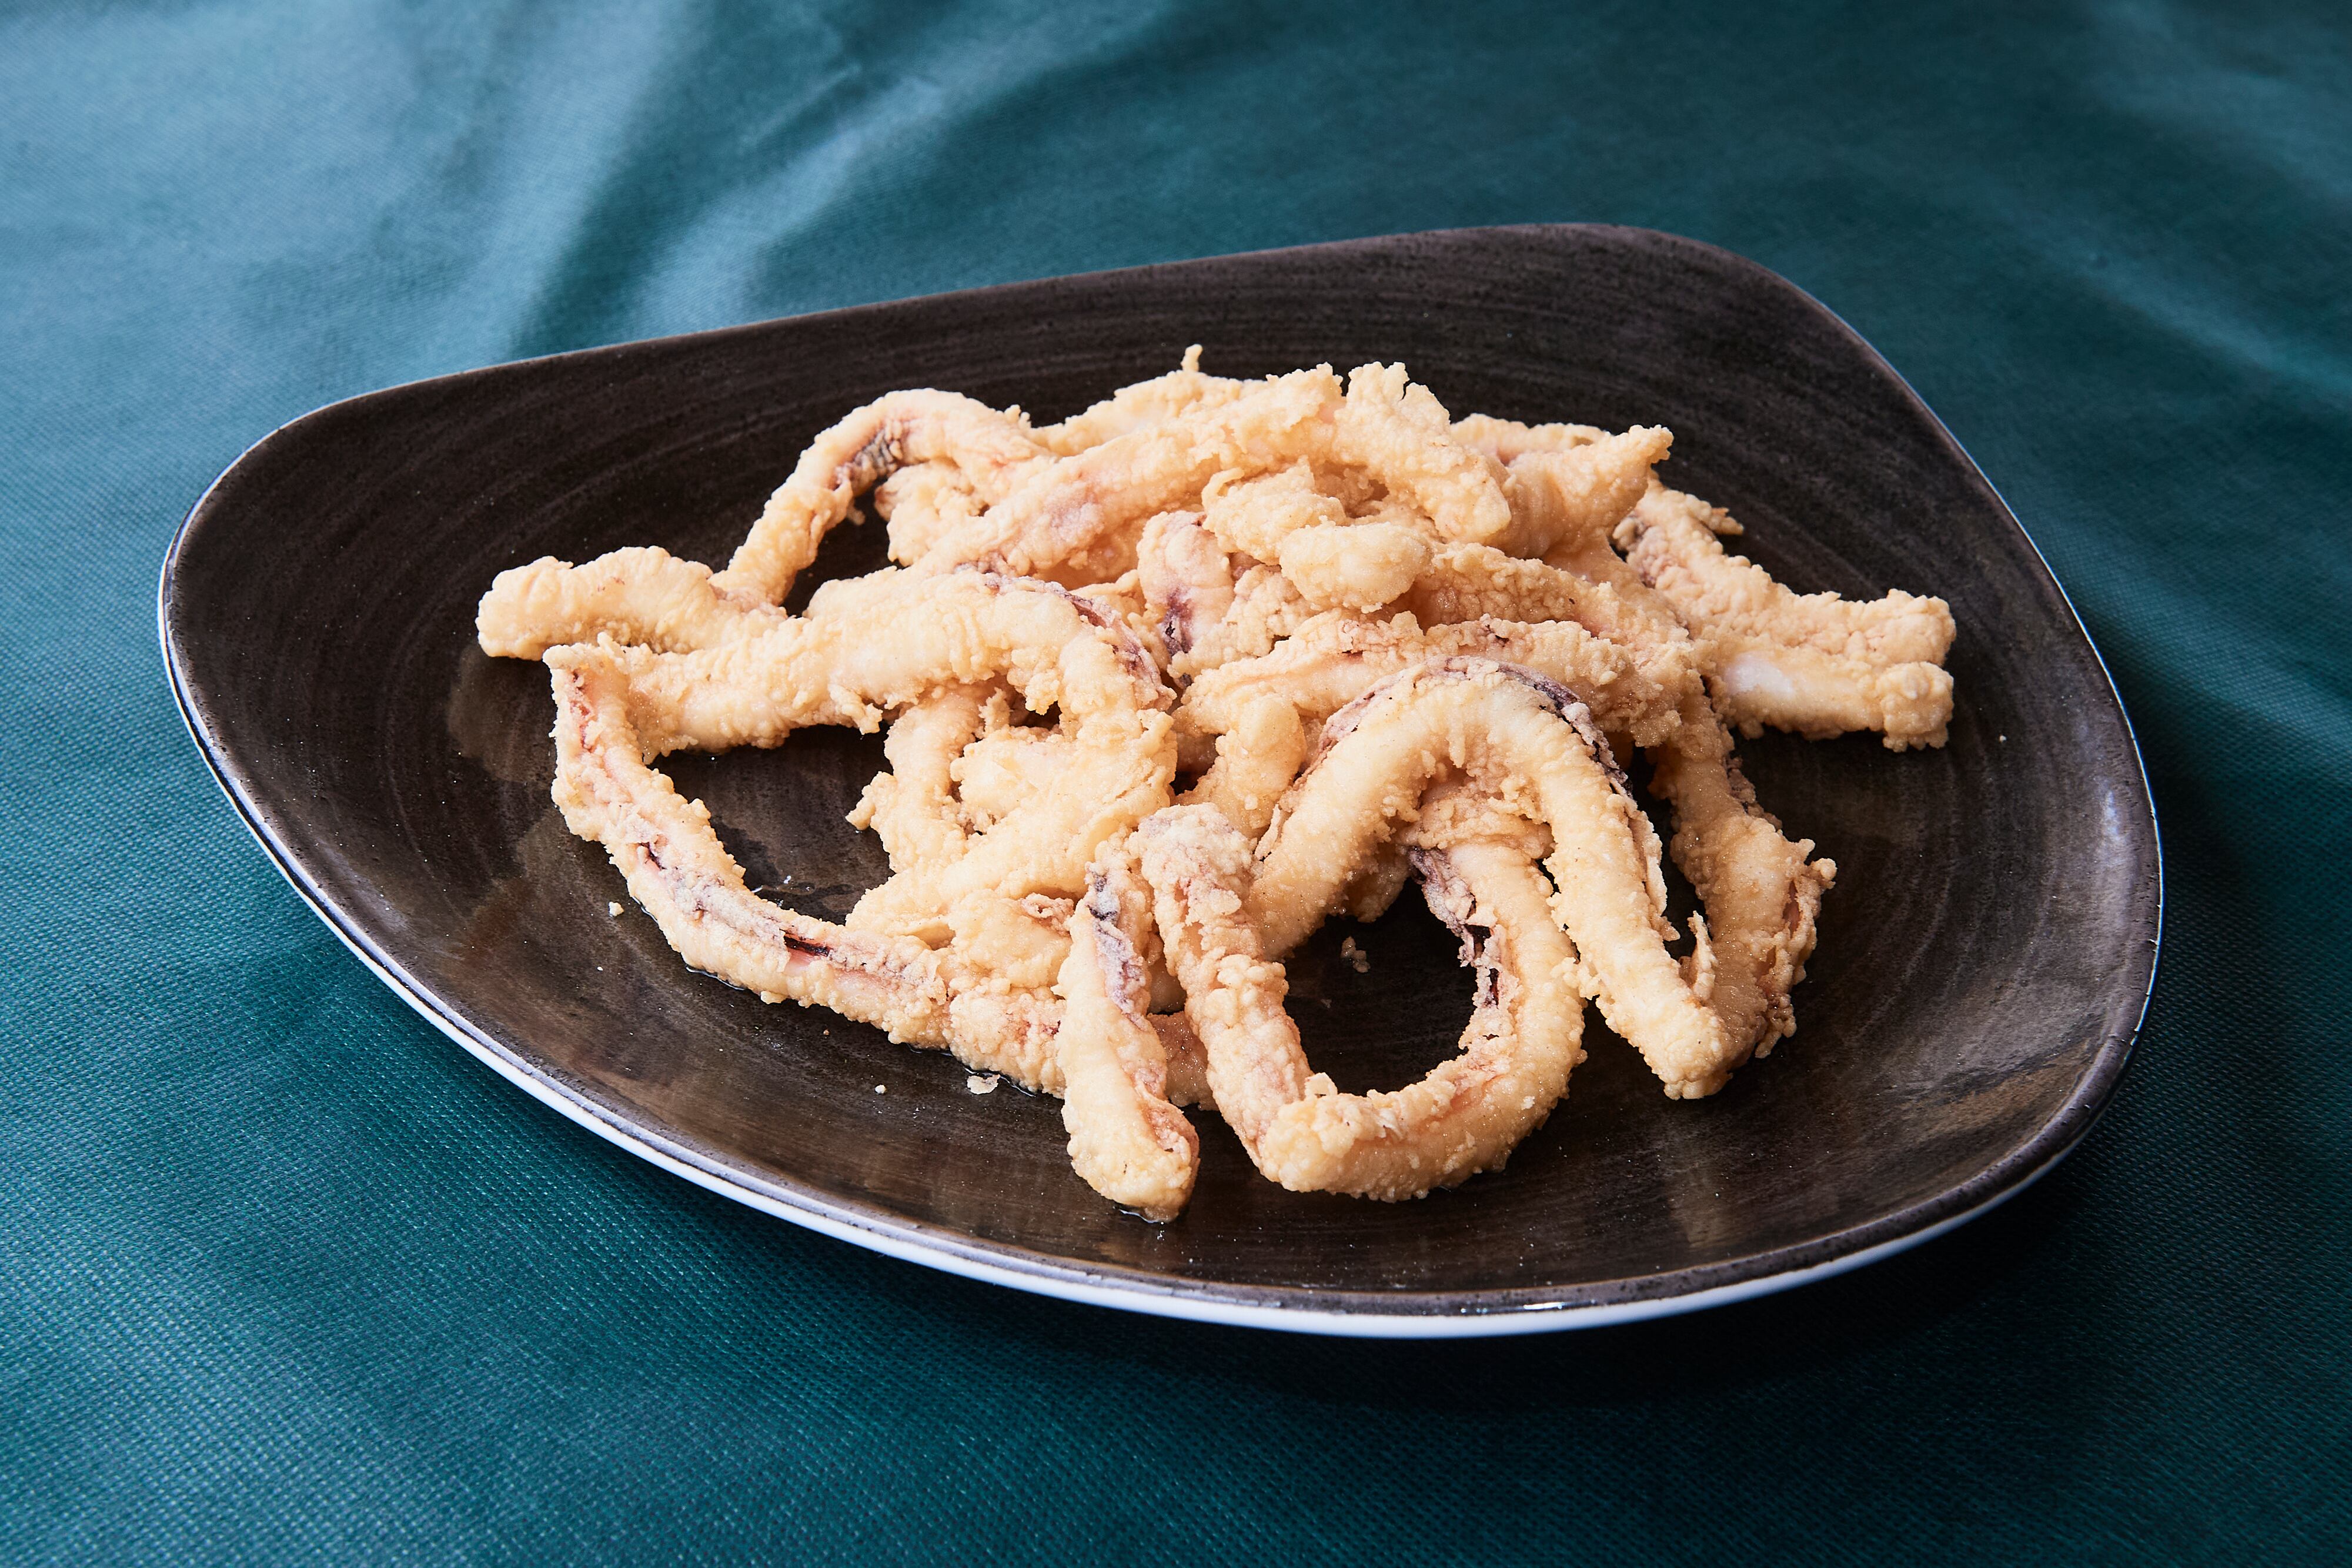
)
(286, 1276)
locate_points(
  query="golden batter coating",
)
(1761, 892)
(1180, 392)
(1333, 659)
(1401, 434)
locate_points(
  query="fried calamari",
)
(1173, 682)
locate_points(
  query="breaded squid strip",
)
(1464, 583)
(1334, 659)
(1399, 432)
(1762, 683)
(1180, 392)
(648, 596)
(1252, 514)
(1464, 1117)
(1506, 440)
(994, 451)
(1675, 549)
(1334, 560)
(1076, 514)
(1582, 491)
(921, 503)
(1256, 759)
(1816, 663)
(1007, 765)
(1528, 740)
(1760, 894)
(1042, 844)
(1354, 566)
(636, 595)
(830, 666)
(912, 806)
(1186, 580)
(1128, 1143)
(925, 829)
(676, 868)
(827, 667)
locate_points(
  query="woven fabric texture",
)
(285, 1275)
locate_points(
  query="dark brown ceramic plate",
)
(1984, 959)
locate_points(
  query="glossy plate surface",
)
(1984, 959)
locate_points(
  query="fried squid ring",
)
(1464, 1117)
(1816, 663)
(1528, 740)
(1126, 1140)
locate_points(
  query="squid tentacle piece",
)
(1127, 1139)
(1076, 517)
(1055, 649)
(650, 597)
(641, 594)
(666, 849)
(994, 451)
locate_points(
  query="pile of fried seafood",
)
(1170, 683)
